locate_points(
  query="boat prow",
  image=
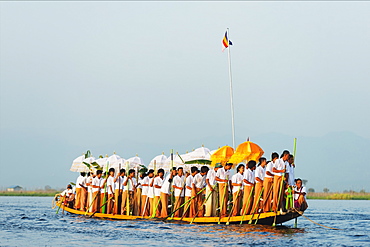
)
(261, 219)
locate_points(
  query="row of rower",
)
(268, 186)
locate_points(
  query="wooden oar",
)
(264, 204)
(234, 202)
(254, 210)
(294, 153)
(105, 188)
(182, 205)
(203, 204)
(144, 208)
(61, 203)
(89, 208)
(100, 207)
(223, 201)
(249, 199)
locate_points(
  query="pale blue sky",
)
(151, 75)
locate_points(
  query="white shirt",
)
(279, 164)
(157, 181)
(189, 181)
(291, 175)
(119, 183)
(144, 190)
(259, 173)
(89, 181)
(199, 181)
(66, 192)
(179, 182)
(166, 184)
(222, 174)
(150, 188)
(140, 183)
(102, 182)
(268, 168)
(130, 184)
(211, 175)
(301, 190)
(95, 182)
(237, 179)
(110, 182)
(80, 180)
(249, 176)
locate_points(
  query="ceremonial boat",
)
(260, 219)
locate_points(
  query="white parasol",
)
(78, 166)
(158, 161)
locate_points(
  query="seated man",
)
(67, 196)
(300, 202)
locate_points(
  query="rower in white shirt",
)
(290, 167)
(179, 191)
(259, 177)
(158, 181)
(96, 190)
(211, 203)
(118, 184)
(279, 169)
(80, 180)
(150, 194)
(222, 178)
(129, 184)
(138, 194)
(237, 184)
(267, 183)
(248, 183)
(166, 191)
(188, 192)
(198, 183)
(110, 191)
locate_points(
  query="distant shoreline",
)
(338, 196)
(312, 195)
(29, 193)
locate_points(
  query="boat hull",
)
(262, 219)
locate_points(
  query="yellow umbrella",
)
(222, 155)
(246, 151)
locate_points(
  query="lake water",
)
(30, 221)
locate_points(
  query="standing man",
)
(267, 183)
(199, 182)
(158, 182)
(80, 179)
(248, 187)
(237, 183)
(188, 192)
(118, 183)
(259, 177)
(279, 169)
(291, 167)
(211, 203)
(95, 185)
(128, 193)
(110, 190)
(166, 192)
(222, 178)
(178, 185)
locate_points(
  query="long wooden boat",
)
(263, 218)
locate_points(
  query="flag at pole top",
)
(226, 42)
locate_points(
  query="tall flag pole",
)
(226, 42)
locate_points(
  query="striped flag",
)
(226, 42)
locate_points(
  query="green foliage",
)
(311, 190)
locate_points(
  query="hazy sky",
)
(113, 75)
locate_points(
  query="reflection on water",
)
(31, 221)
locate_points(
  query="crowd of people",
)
(268, 186)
